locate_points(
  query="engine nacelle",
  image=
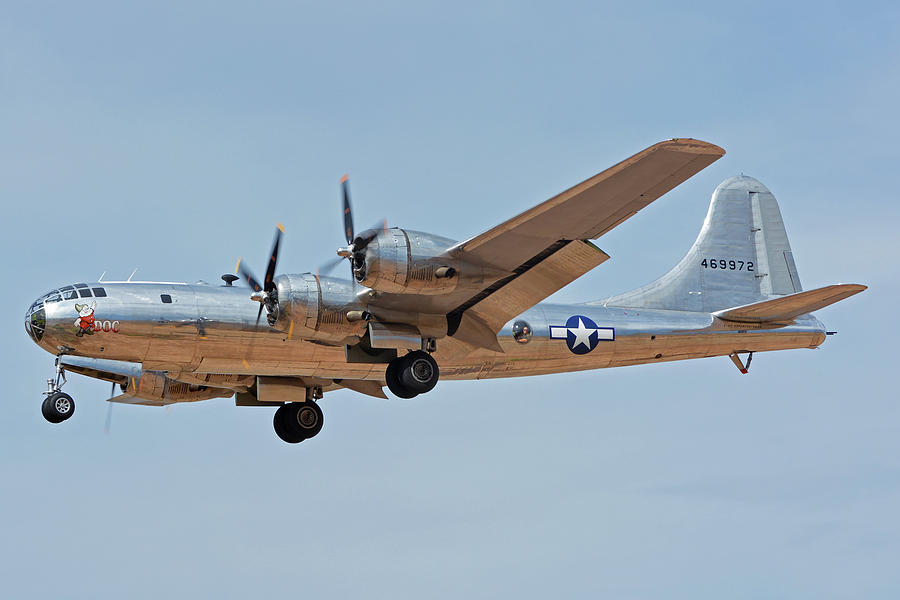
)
(156, 386)
(401, 261)
(317, 308)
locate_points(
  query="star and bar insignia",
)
(581, 334)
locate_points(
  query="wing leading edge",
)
(594, 206)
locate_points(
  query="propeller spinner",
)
(266, 293)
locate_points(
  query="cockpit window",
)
(72, 292)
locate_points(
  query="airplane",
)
(421, 307)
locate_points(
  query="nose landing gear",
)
(57, 406)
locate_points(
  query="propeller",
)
(266, 292)
(109, 404)
(354, 251)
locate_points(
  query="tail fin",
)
(742, 256)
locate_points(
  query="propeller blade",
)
(330, 266)
(108, 424)
(273, 260)
(247, 276)
(370, 234)
(348, 212)
(259, 314)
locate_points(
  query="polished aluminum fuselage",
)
(213, 329)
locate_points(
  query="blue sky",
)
(171, 137)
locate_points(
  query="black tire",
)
(303, 420)
(419, 372)
(392, 377)
(46, 411)
(58, 407)
(281, 430)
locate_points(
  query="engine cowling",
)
(317, 308)
(402, 261)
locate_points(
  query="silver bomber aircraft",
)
(420, 306)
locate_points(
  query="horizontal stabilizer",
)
(789, 307)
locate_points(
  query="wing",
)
(545, 248)
(594, 206)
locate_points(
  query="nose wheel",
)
(57, 407)
(413, 374)
(298, 421)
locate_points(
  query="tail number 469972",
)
(726, 264)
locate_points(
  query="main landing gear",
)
(298, 421)
(57, 406)
(413, 374)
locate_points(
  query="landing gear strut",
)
(57, 406)
(298, 421)
(413, 374)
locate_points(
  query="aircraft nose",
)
(36, 320)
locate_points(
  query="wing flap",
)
(481, 317)
(547, 277)
(789, 307)
(363, 386)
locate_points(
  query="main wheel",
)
(419, 372)
(280, 423)
(308, 418)
(392, 377)
(58, 407)
(298, 421)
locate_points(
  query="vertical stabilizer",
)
(741, 256)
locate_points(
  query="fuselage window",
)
(70, 294)
(85, 293)
(99, 293)
(167, 299)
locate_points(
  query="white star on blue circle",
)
(582, 334)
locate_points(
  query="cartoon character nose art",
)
(84, 324)
(581, 334)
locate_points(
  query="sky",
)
(171, 137)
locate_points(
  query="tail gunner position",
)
(419, 306)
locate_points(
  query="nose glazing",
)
(36, 320)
